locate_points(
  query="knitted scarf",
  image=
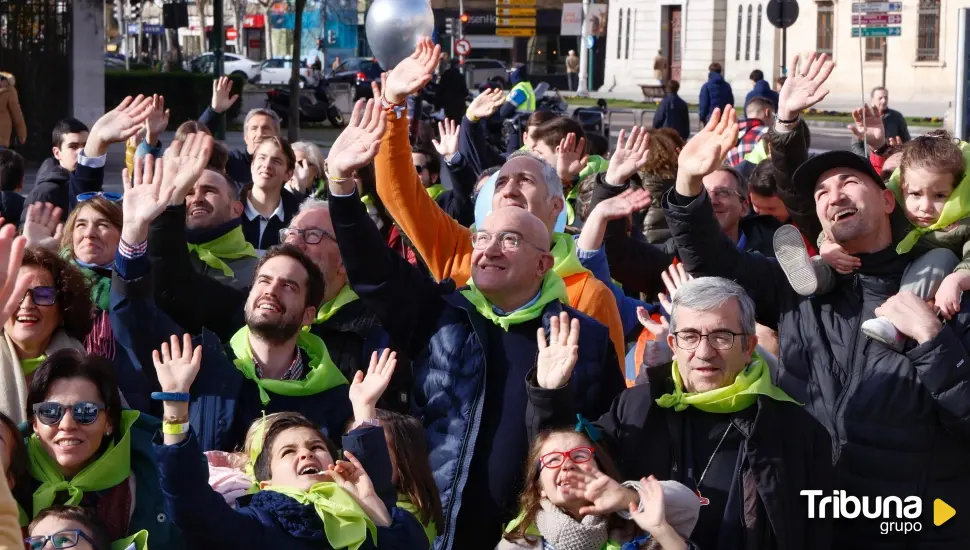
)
(560, 530)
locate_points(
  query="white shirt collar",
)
(252, 213)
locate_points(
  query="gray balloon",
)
(394, 27)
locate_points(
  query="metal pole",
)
(124, 30)
(784, 50)
(218, 45)
(862, 73)
(582, 86)
(885, 57)
(461, 35)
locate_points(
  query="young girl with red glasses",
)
(565, 468)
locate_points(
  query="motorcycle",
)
(318, 108)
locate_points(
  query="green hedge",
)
(186, 94)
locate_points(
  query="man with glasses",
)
(475, 423)
(711, 420)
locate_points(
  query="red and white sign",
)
(231, 33)
(254, 21)
(463, 47)
(877, 19)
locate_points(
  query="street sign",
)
(869, 7)
(515, 22)
(876, 32)
(782, 13)
(877, 19)
(515, 12)
(463, 47)
(514, 32)
(515, 3)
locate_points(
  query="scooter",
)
(318, 108)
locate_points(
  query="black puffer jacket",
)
(654, 225)
(900, 422)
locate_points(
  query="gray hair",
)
(549, 174)
(312, 203)
(738, 179)
(313, 154)
(262, 112)
(706, 293)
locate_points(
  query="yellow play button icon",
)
(942, 512)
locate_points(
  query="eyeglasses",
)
(556, 459)
(722, 194)
(108, 195)
(719, 339)
(83, 412)
(509, 241)
(312, 235)
(41, 295)
(62, 539)
(419, 168)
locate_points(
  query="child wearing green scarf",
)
(307, 498)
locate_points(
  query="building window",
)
(757, 37)
(874, 49)
(823, 27)
(737, 49)
(747, 38)
(619, 36)
(928, 41)
(627, 54)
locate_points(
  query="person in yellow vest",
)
(522, 97)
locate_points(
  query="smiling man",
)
(713, 421)
(268, 206)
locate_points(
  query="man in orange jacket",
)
(444, 245)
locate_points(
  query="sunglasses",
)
(41, 295)
(62, 539)
(108, 195)
(84, 412)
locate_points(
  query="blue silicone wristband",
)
(171, 396)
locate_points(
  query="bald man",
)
(474, 423)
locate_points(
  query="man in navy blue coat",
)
(471, 348)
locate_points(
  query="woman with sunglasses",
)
(568, 482)
(85, 450)
(54, 313)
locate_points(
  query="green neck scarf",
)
(533, 531)
(323, 373)
(757, 154)
(405, 504)
(110, 469)
(564, 253)
(594, 165)
(344, 521)
(230, 246)
(28, 366)
(753, 381)
(100, 287)
(329, 309)
(138, 541)
(957, 205)
(553, 288)
(435, 191)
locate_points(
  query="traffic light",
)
(450, 26)
(464, 18)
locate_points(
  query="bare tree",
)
(267, 6)
(293, 131)
(239, 10)
(203, 6)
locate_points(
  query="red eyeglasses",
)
(556, 459)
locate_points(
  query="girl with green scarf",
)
(84, 450)
(306, 497)
(560, 514)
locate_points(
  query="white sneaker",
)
(884, 331)
(793, 258)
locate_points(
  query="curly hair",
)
(936, 152)
(73, 298)
(661, 157)
(101, 205)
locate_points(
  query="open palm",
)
(184, 163)
(571, 157)
(43, 227)
(365, 390)
(158, 118)
(630, 201)
(177, 365)
(124, 120)
(413, 73)
(486, 103)
(145, 197)
(630, 155)
(359, 142)
(12, 247)
(448, 145)
(557, 359)
(706, 151)
(803, 89)
(868, 126)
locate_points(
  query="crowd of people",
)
(676, 344)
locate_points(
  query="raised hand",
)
(12, 291)
(222, 97)
(357, 144)
(413, 73)
(868, 126)
(485, 104)
(177, 365)
(144, 200)
(185, 161)
(659, 330)
(604, 494)
(351, 477)
(43, 227)
(626, 203)
(118, 125)
(448, 145)
(629, 157)
(366, 390)
(570, 157)
(301, 179)
(706, 151)
(557, 359)
(675, 277)
(803, 88)
(157, 120)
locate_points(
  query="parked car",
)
(485, 70)
(232, 65)
(278, 71)
(359, 72)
